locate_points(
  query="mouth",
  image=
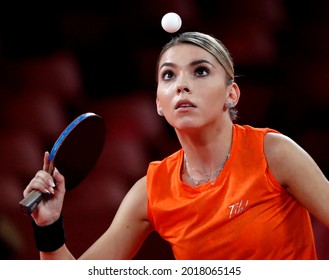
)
(184, 104)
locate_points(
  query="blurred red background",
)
(55, 66)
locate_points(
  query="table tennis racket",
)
(74, 154)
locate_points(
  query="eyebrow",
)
(200, 61)
(193, 63)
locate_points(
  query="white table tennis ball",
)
(171, 22)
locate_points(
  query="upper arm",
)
(128, 229)
(299, 174)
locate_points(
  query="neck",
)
(208, 151)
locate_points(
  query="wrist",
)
(51, 237)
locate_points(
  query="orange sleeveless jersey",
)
(246, 214)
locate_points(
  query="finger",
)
(46, 179)
(59, 180)
(46, 162)
(37, 184)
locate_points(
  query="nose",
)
(182, 89)
(182, 86)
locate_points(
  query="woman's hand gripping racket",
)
(74, 154)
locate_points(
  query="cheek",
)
(162, 103)
(215, 98)
(164, 95)
(220, 91)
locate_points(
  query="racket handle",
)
(30, 202)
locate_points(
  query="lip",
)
(184, 104)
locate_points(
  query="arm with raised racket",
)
(121, 240)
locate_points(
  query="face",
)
(192, 88)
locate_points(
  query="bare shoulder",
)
(276, 145)
(287, 160)
(140, 185)
(298, 173)
(137, 197)
(277, 149)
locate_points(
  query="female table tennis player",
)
(231, 192)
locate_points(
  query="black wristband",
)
(49, 238)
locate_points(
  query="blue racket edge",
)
(31, 201)
(66, 132)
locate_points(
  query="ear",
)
(159, 108)
(233, 94)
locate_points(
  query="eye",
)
(201, 71)
(167, 75)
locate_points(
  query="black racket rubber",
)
(74, 154)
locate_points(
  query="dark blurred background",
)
(56, 65)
